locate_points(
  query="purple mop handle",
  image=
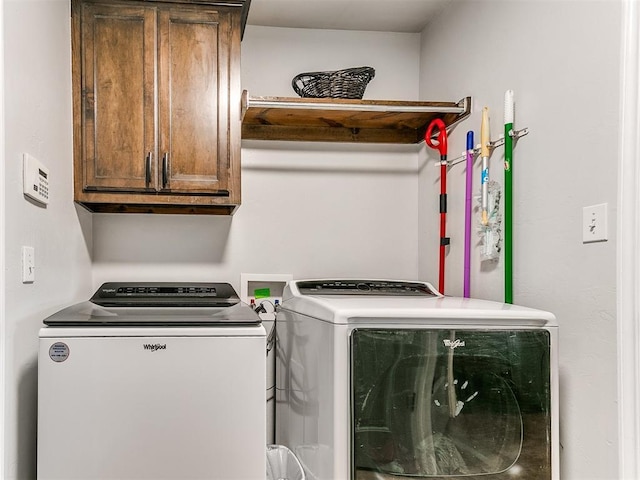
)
(467, 217)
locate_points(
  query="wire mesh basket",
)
(348, 83)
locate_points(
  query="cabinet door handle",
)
(147, 169)
(165, 161)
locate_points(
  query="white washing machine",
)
(153, 381)
(380, 379)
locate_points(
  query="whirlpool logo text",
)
(155, 347)
(453, 343)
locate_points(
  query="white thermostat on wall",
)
(35, 179)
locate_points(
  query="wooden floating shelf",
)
(342, 120)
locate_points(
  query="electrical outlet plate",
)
(594, 223)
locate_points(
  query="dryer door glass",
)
(450, 403)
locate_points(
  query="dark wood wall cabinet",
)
(156, 101)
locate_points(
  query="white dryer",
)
(153, 381)
(380, 379)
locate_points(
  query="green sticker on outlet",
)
(262, 293)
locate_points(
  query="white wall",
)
(37, 88)
(563, 61)
(308, 209)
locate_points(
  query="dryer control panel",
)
(364, 287)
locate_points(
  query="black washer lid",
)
(88, 314)
(159, 304)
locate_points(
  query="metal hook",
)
(515, 134)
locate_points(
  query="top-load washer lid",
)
(158, 304)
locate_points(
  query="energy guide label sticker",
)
(59, 352)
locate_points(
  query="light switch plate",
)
(28, 265)
(594, 223)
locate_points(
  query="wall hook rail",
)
(493, 144)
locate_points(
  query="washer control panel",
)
(165, 294)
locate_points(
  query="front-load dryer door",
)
(451, 404)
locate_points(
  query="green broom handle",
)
(508, 197)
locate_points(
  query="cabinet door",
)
(194, 100)
(118, 83)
